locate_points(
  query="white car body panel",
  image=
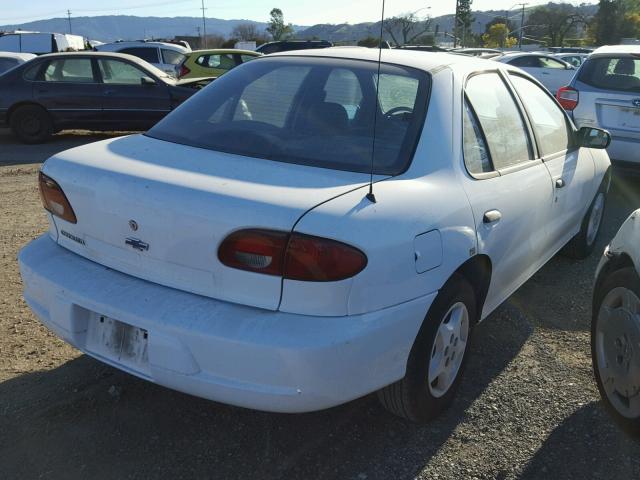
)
(259, 341)
(626, 241)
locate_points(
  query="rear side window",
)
(551, 63)
(224, 61)
(526, 62)
(172, 57)
(612, 73)
(476, 153)
(312, 111)
(500, 119)
(74, 70)
(149, 54)
(549, 122)
(7, 64)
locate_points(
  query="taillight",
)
(292, 256)
(568, 98)
(184, 71)
(54, 200)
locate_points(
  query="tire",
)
(31, 124)
(615, 331)
(415, 397)
(583, 244)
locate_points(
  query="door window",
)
(500, 119)
(527, 61)
(75, 70)
(476, 153)
(551, 63)
(223, 62)
(148, 54)
(122, 73)
(549, 122)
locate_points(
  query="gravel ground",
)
(527, 407)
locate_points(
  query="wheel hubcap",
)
(618, 350)
(595, 218)
(448, 349)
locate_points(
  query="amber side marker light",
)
(54, 200)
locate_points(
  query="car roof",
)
(144, 44)
(18, 55)
(427, 61)
(213, 51)
(608, 50)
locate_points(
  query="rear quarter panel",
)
(428, 197)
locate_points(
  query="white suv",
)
(166, 56)
(605, 93)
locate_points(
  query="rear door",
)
(69, 89)
(557, 74)
(508, 188)
(571, 168)
(126, 101)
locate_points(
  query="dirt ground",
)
(527, 407)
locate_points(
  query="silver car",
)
(605, 93)
(615, 331)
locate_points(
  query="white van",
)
(40, 43)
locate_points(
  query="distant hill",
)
(126, 27)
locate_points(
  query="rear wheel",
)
(31, 124)
(582, 245)
(437, 358)
(615, 336)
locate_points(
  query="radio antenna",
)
(370, 196)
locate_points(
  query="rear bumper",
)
(230, 353)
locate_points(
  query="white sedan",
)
(552, 72)
(238, 252)
(615, 332)
(9, 60)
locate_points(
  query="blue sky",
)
(300, 12)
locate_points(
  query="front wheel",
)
(615, 337)
(583, 244)
(437, 358)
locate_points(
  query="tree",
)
(245, 32)
(464, 19)
(553, 22)
(497, 36)
(370, 42)
(615, 20)
(277, 28)
(404, 29)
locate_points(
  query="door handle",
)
(492, 216)
(109, 92)
(560, 183)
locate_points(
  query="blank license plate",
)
(119, 341)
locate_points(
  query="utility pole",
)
(521, 26)
(204, 26)
(455, 25)
(69, 19)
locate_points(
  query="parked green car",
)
(213, 63)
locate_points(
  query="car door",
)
(571, 169)
(131, 97)
(69, 89)
(508, 189)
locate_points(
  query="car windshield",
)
(612, 73)
(313, 111)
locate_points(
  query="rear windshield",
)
(612, 73)
(311, 111)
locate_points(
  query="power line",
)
(204, 26)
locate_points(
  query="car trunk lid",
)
(159, 210)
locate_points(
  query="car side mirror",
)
(147, 81)
(589, 137)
